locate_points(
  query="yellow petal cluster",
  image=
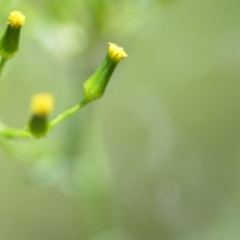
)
(42, 104)
(16, 19)
(115, 52)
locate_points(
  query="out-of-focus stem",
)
(14, 133)
(2, 64)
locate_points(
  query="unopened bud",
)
(95, 86)
(41, 106)
(9, 42)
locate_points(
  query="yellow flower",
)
(42, 104)
(95, 86)
(115, 52)
(9, 42)
(16, 19)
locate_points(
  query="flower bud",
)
(95, 86)
(10, 40)
(41, 106)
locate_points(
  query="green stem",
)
(2, 64)
(66, 114)
(12, 132)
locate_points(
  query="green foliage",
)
(158, 156)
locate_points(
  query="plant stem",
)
(2, 64)
(61, 117)
(12, 132)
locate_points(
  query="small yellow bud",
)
(9, 42)
(42, 104)
(95, 86)
(16, 19)
(115, 52)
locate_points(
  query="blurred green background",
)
(157, 158)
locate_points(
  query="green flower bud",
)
(95, 86)
(41, 106)
(10, 40)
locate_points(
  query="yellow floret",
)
(16, 19)
(115, 52)
(42, 104)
